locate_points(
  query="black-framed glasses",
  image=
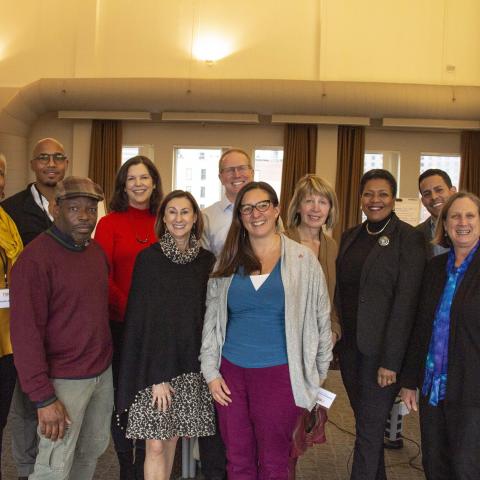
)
(232, 170)
(261, 206)
(57, 158)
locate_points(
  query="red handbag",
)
(310, 429)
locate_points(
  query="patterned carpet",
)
(330, 461)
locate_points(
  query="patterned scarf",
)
(171, 251)
(436, 366)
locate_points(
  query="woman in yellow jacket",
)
(10, 248)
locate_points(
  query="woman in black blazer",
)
(444, 355)
(379, 272)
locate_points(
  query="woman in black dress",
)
(160, 381)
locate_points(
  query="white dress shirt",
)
(217, 219)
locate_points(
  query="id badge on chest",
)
(4, 298)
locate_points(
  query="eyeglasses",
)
(247, 209)
(57, 158)
(239, 169)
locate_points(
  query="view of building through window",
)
(388, 160)
(196, 171)
(129, 151)
(268, 163)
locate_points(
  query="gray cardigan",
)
(307, 322)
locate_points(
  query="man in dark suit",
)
(30, 210)
(435, 188)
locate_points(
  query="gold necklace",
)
(380, 231)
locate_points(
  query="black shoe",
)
(393, 444)
(127, 469)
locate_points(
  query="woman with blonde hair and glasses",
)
(266, 343)
(312, 210)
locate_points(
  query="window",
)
(268, 166)
(448, 163)
(387, 160)
(129, 151)
(196, 170)
(372, 160)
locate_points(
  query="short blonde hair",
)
(233, 150)
(3, 160)
(441, 237)
(312, 184)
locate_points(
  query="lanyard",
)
(45, 213)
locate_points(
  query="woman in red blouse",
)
(123, 233)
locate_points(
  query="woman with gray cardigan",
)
(266, 342)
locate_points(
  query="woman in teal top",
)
(266, 341)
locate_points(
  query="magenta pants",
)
(257, 426)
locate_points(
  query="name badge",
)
(4, 298)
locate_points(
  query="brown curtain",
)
(350, 153)
(470, 162)
(105, 154)
(299, 158)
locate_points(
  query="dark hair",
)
(237, 251)
(160, 227)
(435, 171)
(382, 174)
(119, 200)
(441, 237)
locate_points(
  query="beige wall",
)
(411, 145)
(408, 41)
(75, 135)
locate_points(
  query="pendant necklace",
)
(380, 231)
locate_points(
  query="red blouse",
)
(122, 235)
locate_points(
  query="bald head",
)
(49, 162)
(47, 144)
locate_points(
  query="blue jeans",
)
(89, 404)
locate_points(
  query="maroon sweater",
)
(59, 315)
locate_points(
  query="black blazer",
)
(388, 291)
(425, 228)
(29, 218)
(463, 383)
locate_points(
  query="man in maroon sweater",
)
(61, 338)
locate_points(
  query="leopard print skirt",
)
(191, 413)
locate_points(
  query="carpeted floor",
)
(330, 461)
